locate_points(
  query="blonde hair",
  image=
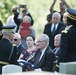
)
(14, 8)
(26, 19)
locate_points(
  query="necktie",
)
(53, 31)
(38, 57)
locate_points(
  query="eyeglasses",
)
(40, 41)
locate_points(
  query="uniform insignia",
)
(57, 65)
(64, 31)
(14, 44)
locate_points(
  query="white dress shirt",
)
(56, 25)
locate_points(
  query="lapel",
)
(58, 29)
(43, 58)
(19, 49)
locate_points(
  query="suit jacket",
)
(46, 62)
(68, 45)
(5, 51)
(1, 36)
(20, 48)
(56, 51)
(47, 30)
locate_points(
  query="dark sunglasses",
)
(15, 39)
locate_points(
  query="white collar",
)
(53, 26)
(66, 28)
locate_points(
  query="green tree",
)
(38, 9)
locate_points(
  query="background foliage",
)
(38, 9)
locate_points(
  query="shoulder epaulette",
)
(57, 65)
(64, 31)
(14, 44)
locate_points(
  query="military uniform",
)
(68, 40)
(7, 50)
(1, 35)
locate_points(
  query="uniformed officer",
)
(7, 50)
(68, 39)
(1, 30)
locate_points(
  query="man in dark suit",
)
(43, 61)
(17, 41)
(1, 25)
(68, 39)
(53, 28)
(7, 50)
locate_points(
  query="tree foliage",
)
(38, 9)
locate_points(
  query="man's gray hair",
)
(45, 38)
(18, 35)
(57, 13)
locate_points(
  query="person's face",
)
(65, 18)
(62, 6)
(11, 35)
(16, 40)
(41, 43)
(55, 18)
(57, 41)
(29, 41)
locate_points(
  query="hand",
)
(29, 68)
(26, 9)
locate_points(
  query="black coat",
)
(5, 50)
(68, 46)
(47, 30)
(1, 36)
(46, 62)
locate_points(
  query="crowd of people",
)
(57, 43)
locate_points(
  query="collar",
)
(66, 28)
(8, 39)
(56, 25)
(18, 45)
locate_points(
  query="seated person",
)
(56, 49)
(57, 44)
(26, 55)
(17, 42)
(44, 56)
